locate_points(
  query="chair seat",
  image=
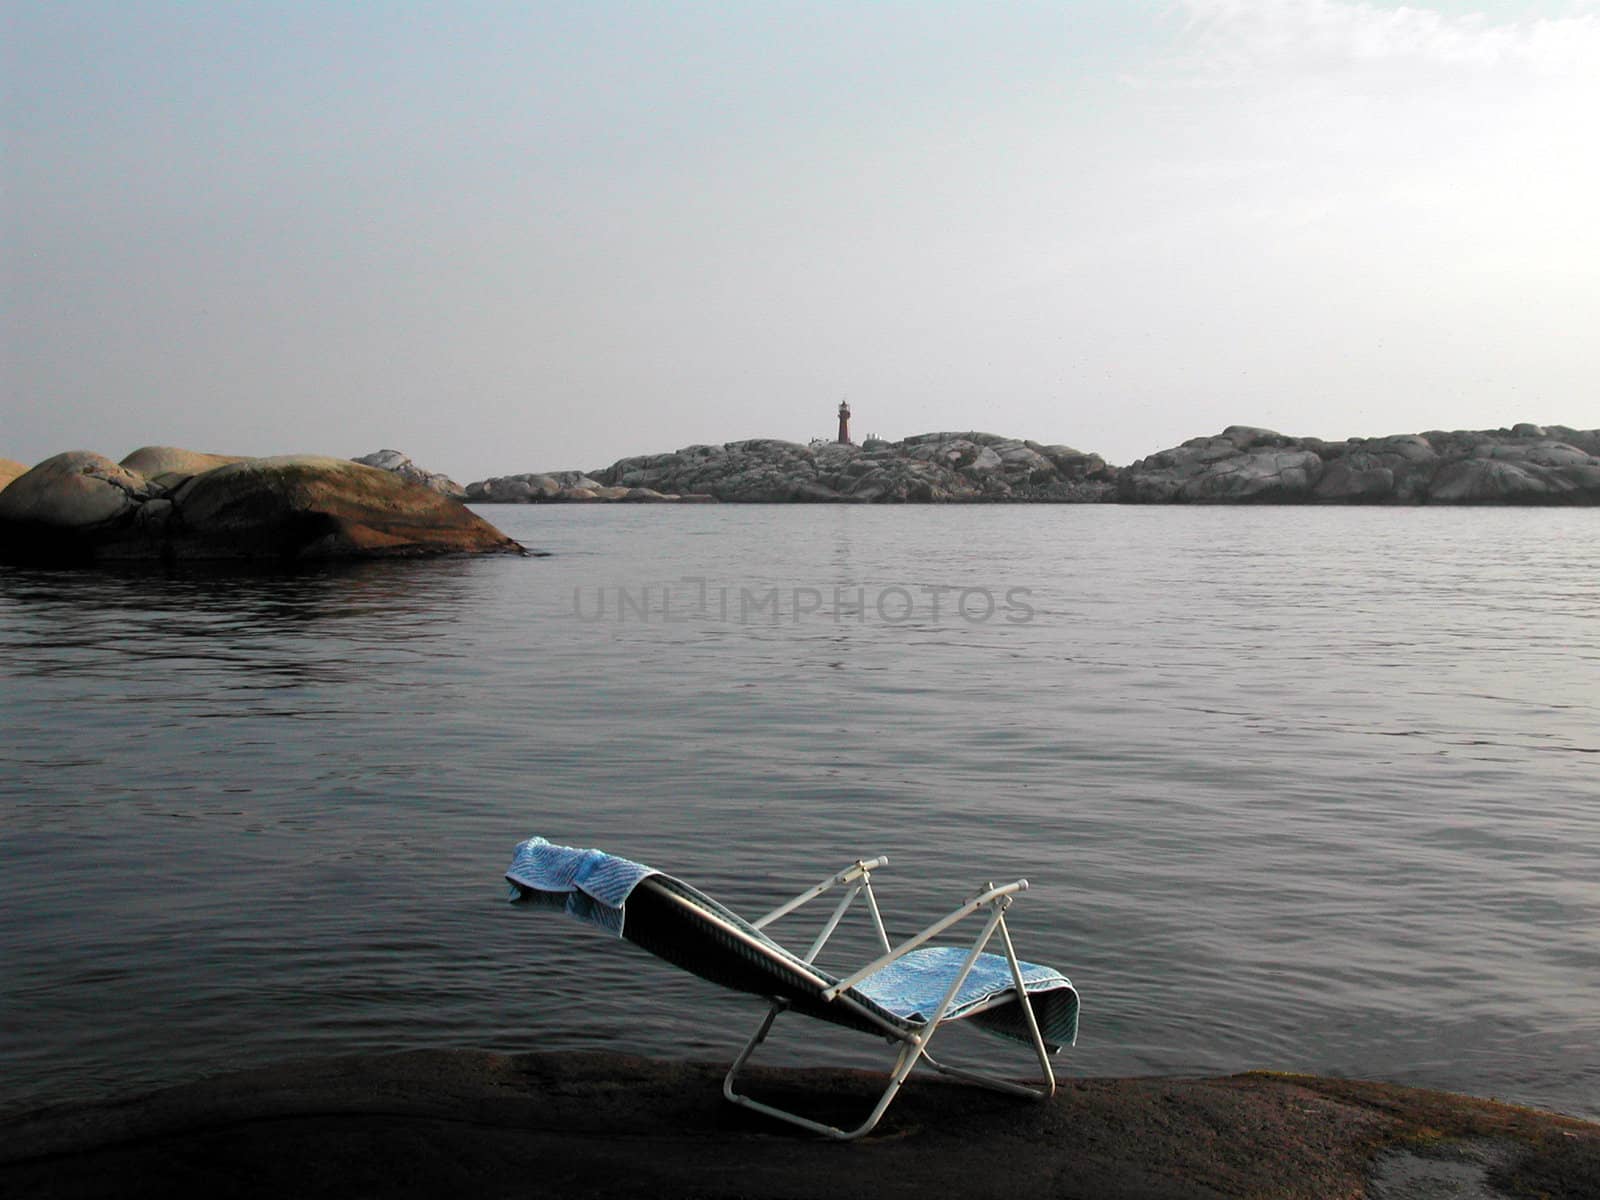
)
(913, 986)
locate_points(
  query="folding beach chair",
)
(905, 995)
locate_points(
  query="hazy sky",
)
(509, 237)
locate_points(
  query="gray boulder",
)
(1241, 464)
(399, 464)
(558, 487)
(70, 502)
(1498, 480)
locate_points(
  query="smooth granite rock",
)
(169, 466)
(603, 1126)
(10, 469)
(307, 506)
(82, 507)
(67, 502)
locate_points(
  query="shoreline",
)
(575, 1124)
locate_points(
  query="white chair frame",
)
(857, 878)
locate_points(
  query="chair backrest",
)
(689, 929)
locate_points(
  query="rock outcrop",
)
(1527, 464)
(401, 465)
(565, 487)
(10, 469)
(927, 468)
(82, 507)
(463, 1123)
(78, 495)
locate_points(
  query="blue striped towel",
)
(589, 884)
(911, 987)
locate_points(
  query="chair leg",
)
(1028, 1013)
(904, 1062)
(996, 1082)
(912, 1051)
(993, 1082)
(750, 1048)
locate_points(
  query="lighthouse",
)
(844, 423)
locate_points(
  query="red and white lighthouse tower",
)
(844, 423)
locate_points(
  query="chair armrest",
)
(988, 897)
(856, 870)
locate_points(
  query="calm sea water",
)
(1298, 789)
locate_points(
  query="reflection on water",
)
(1296, 789)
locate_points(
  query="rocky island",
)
(927, 468)
(165, 504)
(1524, 465)
(170, 504)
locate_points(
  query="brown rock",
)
(80, 507)
(10, 468)
(168, 466)
(311, 507)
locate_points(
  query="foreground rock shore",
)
(166, 504)
(1523, 464)
(441, 1123)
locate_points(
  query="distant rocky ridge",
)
(927, 468)
(1525, 464)
(167, 504)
